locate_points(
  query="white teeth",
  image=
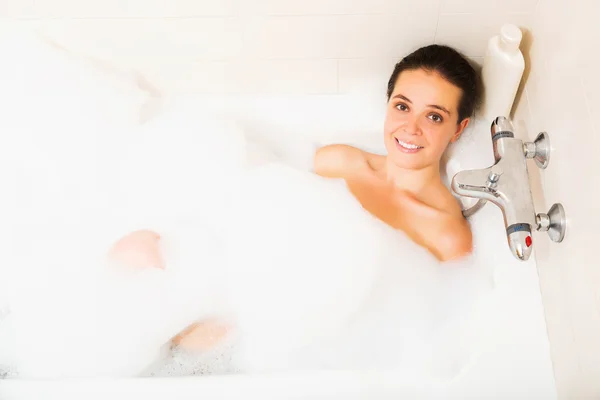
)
(408, 145)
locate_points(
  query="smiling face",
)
(421, 119)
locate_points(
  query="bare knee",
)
(138, 249)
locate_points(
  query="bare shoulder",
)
(450, 204)
(435, 222)
(454, 236)
(458, 235)
(458, 239)
(338, 160)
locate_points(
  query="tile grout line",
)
(437, 24)
(234, 15)
(588, 108)
(535, 8)
(595, 132)
(337, 75)
(119, 17)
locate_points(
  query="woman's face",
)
(421, 119)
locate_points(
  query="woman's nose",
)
(412, 127)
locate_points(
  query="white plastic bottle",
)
(502, 71)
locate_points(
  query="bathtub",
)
(509, 354)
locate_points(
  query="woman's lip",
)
(406, 150)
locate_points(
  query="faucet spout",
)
(479, 183)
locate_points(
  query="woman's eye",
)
(402, 107)
(436, 118)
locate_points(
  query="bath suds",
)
(8, 372)
(181, 362)
(309, 277)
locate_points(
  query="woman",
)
(432, 94)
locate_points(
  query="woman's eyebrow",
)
(403, 97)
(441, 108)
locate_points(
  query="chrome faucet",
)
(506, 184)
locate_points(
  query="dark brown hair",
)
(452, 66)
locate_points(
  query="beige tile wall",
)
(268, 46)
(561, 96)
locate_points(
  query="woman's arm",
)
(336, 160)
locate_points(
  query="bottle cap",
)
(511, 36)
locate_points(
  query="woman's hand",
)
(139, 249)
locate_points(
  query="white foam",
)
(73, 314)
(310, 278)
(311, 272)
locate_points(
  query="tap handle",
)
(539, 150)
(554, 223)
(502, 127)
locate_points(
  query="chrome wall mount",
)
(506, 184)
